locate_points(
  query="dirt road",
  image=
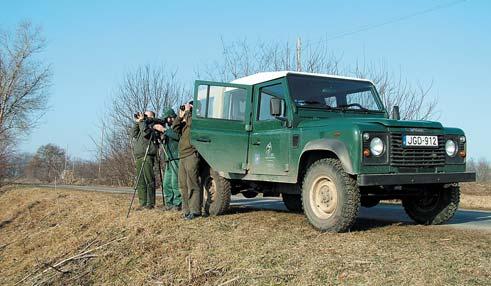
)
(464, 219)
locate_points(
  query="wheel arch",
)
(324, 148)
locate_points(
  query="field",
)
(66, 237)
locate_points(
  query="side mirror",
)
(275, 106)
(395, 113)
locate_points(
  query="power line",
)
(374, 26)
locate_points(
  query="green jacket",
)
(171, 145)
(184, 130)
(141, 138)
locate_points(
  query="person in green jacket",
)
(192, 194)
(170, 144)
(142, 138)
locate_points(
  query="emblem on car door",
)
(269, 151)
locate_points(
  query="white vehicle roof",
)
(267, 76)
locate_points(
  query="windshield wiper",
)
(347, 107)
(313, 102)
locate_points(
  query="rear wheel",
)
(437, 206)
(217, 192)
(330, 197)
(293, 202)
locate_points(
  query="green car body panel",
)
(279, 149)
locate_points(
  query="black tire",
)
(368, 202)
(217, 192)
(334, 204)
(437, 206)
(249, 194)
(293, 202)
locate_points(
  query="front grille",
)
(416, 156)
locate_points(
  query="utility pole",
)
(298, 55)
(287, 56)
(66, 157)
(100, 149)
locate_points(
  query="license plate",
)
(420, 141)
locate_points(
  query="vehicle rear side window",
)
(202, 101)
(219, 102)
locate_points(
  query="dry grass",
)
(41, 227)
(475, 196)
(476, 189)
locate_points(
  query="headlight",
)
(451, 148)
(377, 146)
(462, 139)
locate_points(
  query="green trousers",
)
(171, 184)
(146, 184)
(192, 194)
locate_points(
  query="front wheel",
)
(330, 197)
(437, 206)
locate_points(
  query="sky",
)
(92, 44)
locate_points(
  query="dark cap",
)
(169, 113)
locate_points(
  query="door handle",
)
(203, 139)
(257, 143)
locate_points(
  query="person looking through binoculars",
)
(145, 136)
(171, 157)
(188, 165)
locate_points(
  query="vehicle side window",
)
(219, 102)
(265, 95)
(202, 101)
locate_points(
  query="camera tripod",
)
(141, 171)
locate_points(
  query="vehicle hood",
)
(367, 121)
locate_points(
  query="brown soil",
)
(40, 228)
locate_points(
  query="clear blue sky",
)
(91, 44)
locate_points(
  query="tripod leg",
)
(139, 177)
(161, 178)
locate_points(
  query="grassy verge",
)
(475, 196)
(70, 238)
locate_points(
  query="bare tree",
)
(5, 159)
(242, 58)
(415, 102)
(147, 88)
(23, 80)
(48, 163)
(482, 167)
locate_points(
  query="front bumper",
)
(414, 178)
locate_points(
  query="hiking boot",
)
(149, 207)
(191, 216)
(167, 208)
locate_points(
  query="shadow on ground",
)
(380, 216)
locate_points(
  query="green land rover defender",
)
(327, 145)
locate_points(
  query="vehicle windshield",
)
(333, 93)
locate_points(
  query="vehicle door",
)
(221, 124)
(269, 143)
